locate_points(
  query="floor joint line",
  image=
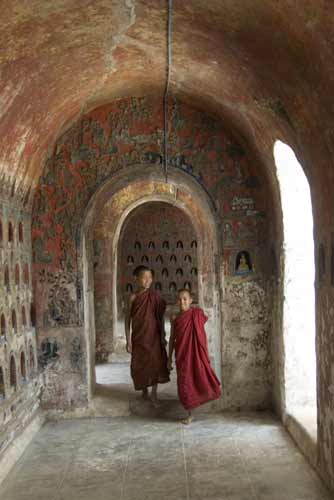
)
(185, 463)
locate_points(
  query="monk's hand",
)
(169, 365)
(129, 347)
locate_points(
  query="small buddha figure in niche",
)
(179, 244)
(157, 286)
(144, 259)
(130, 259)
(194, 271)
(165, 273)
(187, 286)
(179, 272)
(194, 244)
(187, 258)
(137, 245)
(151, 245)
(159, 259)
(172, 287)
(173, 258)
(165, 245)
(129, 288)
(243, 264)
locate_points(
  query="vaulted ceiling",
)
(264, 66)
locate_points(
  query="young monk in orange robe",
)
(145, 336)
(196, 381)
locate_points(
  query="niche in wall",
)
(169, 236)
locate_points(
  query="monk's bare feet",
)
(145, 394)
(188, 419)
(154, 396)
(155, 401)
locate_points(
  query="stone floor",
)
(117, 375)
(151, 456)
(115, 395)
(218, 457)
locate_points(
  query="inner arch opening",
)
(155, 234)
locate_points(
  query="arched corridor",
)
(195, 139)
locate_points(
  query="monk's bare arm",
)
(171, 343)
(163, 334)
(128, 323)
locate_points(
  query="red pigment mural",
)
(116, 136)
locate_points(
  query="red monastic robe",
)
(149, 357)
(196, 381)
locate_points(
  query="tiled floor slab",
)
(218, 457)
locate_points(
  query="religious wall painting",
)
(228, 234)
(245, 230)
(243, 264)
(49, 351)
(63, 294)
(76, 354)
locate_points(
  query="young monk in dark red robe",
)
(196, 381)
(145, 336)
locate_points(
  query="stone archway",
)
(156, 234)
(147, 184)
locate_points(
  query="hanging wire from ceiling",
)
(167, 85)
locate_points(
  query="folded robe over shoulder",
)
(149, 357)
(197, 383)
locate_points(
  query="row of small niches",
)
(13, 372)
(11, 233)
(19, 274)
(179, 272)
(172, 288)
(158, 260)
(165, 245)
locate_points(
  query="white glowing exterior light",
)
(299, 274)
